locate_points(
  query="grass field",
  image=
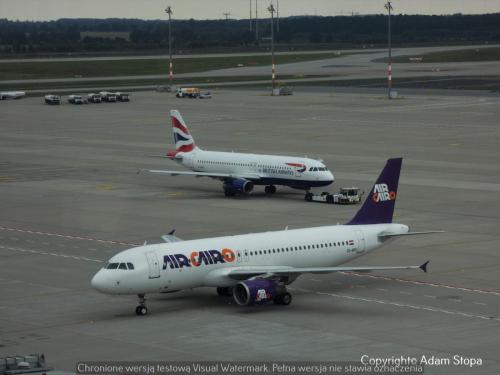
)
(63, 69)
(53, 87)
(465, 55)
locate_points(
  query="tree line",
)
(64, 35)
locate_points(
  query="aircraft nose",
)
(330, 176)
(99, 282)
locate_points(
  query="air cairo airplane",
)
(256, 268)
(241, 172)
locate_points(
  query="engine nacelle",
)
(255, 292)
(239, 184)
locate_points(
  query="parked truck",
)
(188, 92)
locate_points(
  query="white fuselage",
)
(271, 169)
(189, 264)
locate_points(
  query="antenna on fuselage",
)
(145, 243)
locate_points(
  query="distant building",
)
(125, 35)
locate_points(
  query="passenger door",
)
(153, 264)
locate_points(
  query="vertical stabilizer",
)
(378, 207)
(183, 140)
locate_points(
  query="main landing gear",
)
(283, 299)
(270, 189)
(141, 309)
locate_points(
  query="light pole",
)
(256, 22)
(278, 16)
(273, 75)
(388, 6)
(171, 65)
(251, 15)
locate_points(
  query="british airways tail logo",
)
(381, 193)
(197, 258)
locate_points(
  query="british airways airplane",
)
(240, 172)
(256, 268)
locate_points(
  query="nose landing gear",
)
(141, 309)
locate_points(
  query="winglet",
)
(423, 267)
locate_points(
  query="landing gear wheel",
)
(270, 189)
(286, 299)
(141, 310)
(283, 299)
(225, 291)
(308, 197)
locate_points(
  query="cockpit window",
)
(122, 266)
(112, 266)
(130, 266)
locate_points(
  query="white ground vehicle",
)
(94, 98)
(188, 92)
(12, 95)
(76, 99)
(349, 195)
(52, 99)
(122, 97)
(109, 97)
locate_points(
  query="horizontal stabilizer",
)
(388, 235)
(160, 156)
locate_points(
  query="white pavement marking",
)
(52, 254)
(416, 282)
(479, 303)
(406, 293)
(381, 289)
(402, 305)
(65, 236)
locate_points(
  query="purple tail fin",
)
(379, 203)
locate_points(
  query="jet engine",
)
(255, 292)
(238, 185)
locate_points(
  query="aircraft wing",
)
(247, 176)
(243, 273)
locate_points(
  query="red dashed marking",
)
(67, 236)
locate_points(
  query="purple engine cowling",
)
(254, 292)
